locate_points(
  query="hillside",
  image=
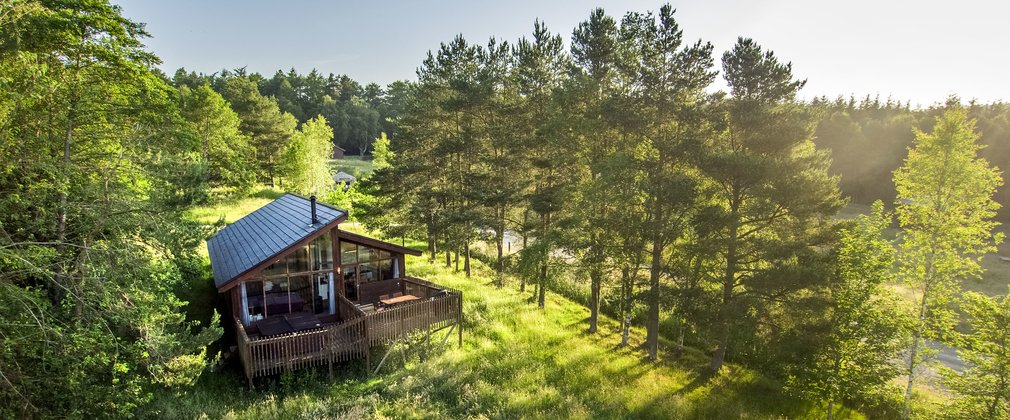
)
(516, 361)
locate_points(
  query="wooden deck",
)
(351, 338)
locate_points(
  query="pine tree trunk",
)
(432, 250)
(466, 260)
(455, 258)
(728, 282)
(831, 410)
(652, 321)
(595, 277)
(542, 287)
(526, 217)
(448, 257)
(500, 261)
(625, 305)
(681, 324)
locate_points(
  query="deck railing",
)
(331, 344)
(439, 307)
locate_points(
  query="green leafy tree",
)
(946, 211)
(983, 389)
(382, 155)
(222, 146)
(304, 165)
(269, 129)
(96, 169)
(864, 329)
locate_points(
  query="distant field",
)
(353, 165)
(233, 209)
(995, 280)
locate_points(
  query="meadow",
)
(515, 361)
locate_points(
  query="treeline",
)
(357, 114)
(869, 139)
(707, 215)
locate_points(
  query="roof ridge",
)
(317, 201)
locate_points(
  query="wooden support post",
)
(447, 335)
(392, 347)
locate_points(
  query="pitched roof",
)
(344, 176)
(265, 233)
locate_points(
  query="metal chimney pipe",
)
(312, 199)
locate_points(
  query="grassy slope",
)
(516, 361)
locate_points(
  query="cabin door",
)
(350, 273)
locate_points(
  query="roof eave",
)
(232, 282)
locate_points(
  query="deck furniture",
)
(391, 301)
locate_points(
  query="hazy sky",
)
(921, 51)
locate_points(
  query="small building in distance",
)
(345, 179)
(338, 152)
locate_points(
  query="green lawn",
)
(516, 361)
(353, 165)
(234, 208)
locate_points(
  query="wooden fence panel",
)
(351, 339)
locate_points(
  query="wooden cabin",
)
(303, 292)
(338, 152)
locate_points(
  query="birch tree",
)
(946, 210)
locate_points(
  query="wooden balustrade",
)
(438, 308)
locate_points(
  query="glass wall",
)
(361, 264)
(300, 282)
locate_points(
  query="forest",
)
(739, 253)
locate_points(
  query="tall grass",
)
(516, 362)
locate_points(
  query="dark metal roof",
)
(263, 234)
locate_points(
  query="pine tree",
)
(269, 129)
(222, 146)
(594, 51)
(539, 72)
(670, 79)
(772, 188)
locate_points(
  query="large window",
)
(300, 282)
(361, 264)
(367, 264)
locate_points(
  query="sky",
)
(917, 51)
